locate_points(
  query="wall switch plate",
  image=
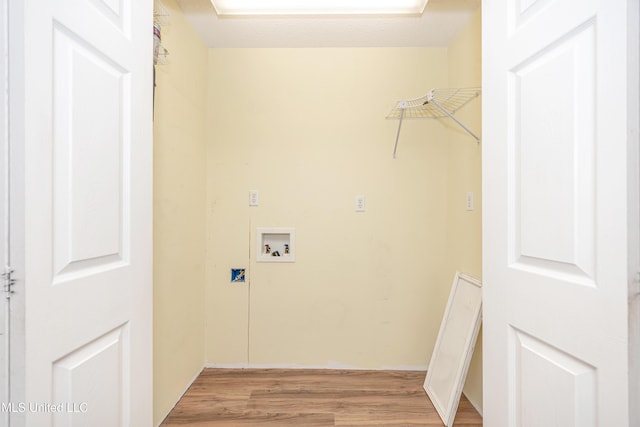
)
(254, 197)
(470, 203)
(359, 203)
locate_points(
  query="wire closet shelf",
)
(437, 103)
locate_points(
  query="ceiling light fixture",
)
(319, 7)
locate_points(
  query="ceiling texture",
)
(436, 27)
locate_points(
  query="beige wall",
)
(464, 240)
(307, 128)
(179, 213)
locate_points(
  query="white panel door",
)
(88, 223)
(555, 175)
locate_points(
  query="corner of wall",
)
(465, 175)
(179, 212)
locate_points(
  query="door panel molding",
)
(552, 211)
(538, 365)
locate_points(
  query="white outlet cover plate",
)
(470, 202)
(254, 197)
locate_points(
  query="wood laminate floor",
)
(309, 398)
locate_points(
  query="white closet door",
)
(88, 222)
(555, 179)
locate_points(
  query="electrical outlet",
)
(254, 197)
(359, 203)
(470, 204)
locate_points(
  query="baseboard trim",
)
(475, 404)
(331, 365)
(181, 394)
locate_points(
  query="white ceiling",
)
(438, 25)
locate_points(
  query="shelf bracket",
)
(452, 117)
(403, 106)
